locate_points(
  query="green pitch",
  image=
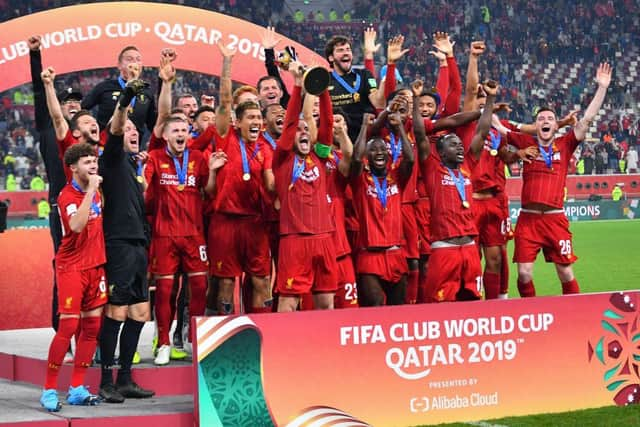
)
(600, 417)
(608, 259)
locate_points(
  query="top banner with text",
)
(91, 36)
(420, 364)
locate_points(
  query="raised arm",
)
(370, 49)
(442, 84)
(382, 118)
(360, 148)
(451, 98)
(55, 111)
(325, 125)
(394, 54)
(408, 159)
(473, 79)
(79, 220)
(452, 104)
(603, 79)
(456, 120)
(341, 134)
(419, 132)
(134, 87)
(167, 74)
(39, 98)
(223, 115)
(484, 124)
(270, 40)
(292, 116)
(308, 105)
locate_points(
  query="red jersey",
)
(301, 184)
(542, 183)
(304, 202)
(394, 146)
(380, 226)
(489, 172)
(234, 195)
(337, 188)
(449, 218)
(83, 250)
(178, 207)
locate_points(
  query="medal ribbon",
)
(139, 168)
(381, 190)
(181, 171)
(138, 165)
(546, 155)
(269, 139)
(95, 206)
(123, 84)
(336, 158)
(459, 182)
(396, 148)
(345, 85)
(245, 160)
(495, 139)
(298, 168)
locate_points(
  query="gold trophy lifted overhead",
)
(315, 79)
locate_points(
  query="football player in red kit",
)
(542, 223)
(454, 271)
(307, 257)
(82, 289)
(339, 168)
(377, 198)
(176, 175)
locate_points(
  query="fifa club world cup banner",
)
(91, 36)
(585, 210)
(420, 364)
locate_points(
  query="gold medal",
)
(356, 97)
(290, 187)
(180, 187)
(466, 204)
(493, 152)
(246, 176)
(140, 179)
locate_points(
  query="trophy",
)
(314, 80)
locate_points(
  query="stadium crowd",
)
(571, 34)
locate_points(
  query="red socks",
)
(570, 287)
(58, 348)
(163, 309)
(504, 274)
(198, 299)
(306, 302)
(491, 285)
(89, 330)
(198, 287)
(411, 295)
(526, 289)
